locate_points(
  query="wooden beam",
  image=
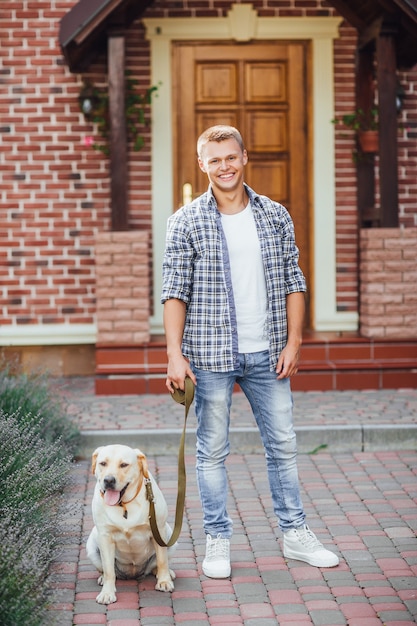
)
(365, 165)
(342, 6)
(118, 135)
(370, 33)
(388, 128)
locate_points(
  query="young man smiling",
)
(233, 296)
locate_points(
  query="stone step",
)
(328, 362)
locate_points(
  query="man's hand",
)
(178, 369)
(288, 362)
(178, 366)
(288, 359)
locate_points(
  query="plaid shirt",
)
(196, 270)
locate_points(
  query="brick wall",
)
(53, 193)
(122, 270)
(54, 189)
(346, 213)
(388, 300)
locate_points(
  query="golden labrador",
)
(121, 543)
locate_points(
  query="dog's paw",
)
(165, 585)
(106, 597)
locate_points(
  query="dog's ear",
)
(142, 462)
(94, 460)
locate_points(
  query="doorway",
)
(261, 88)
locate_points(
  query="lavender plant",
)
(38, 407)
(37, 447)
(33, 475)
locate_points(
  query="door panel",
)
(261, 88)
(217, 82)
(272, 178)
(267, 132)
(265, 82)
(205, 120)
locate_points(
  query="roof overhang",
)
(83, 30)
(396, 16)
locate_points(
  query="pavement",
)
(357, 464)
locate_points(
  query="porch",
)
(130, 359)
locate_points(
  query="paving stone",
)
(327, 618)
(156, 611)
(189, 605)
(158, 621)
(280, 577)
(289, 609)
(154, 598)
(261, 621)
(404, 582)
(316, 597)
(123, 618)
(361, 503)
(226, 620)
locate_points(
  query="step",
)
(328, 362)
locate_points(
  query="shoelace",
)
(218, 547)
(308, 538)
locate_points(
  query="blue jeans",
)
(271, 403)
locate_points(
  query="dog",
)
(121, 544)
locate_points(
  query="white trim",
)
(162, 169)
(48, 335)
(321, 31)
(326, 316)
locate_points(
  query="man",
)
(233, 297)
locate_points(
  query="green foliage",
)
(24, 594)
(33, 474)
(359, 120)
(38, 408)
(135, 108)
(36, 449)
(319, 448)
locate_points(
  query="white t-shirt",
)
(248, 280)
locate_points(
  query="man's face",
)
(223, 162)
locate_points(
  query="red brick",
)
(56, 145)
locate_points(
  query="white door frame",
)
(243, 24)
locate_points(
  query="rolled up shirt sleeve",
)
(178, 263)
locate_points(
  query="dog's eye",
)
(103, 463)
(124, 465)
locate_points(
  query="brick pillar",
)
(122, 288)
(388, 278)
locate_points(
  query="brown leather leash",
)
(186, 398)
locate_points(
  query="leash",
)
(186, 398)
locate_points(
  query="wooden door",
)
(261, 88)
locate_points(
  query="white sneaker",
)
(302, 544)
(217, 561)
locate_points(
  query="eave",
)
(83, 30)
(400, 16)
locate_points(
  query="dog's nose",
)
(109, 482)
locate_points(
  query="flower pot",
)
(368, 140)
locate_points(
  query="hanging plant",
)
(94, 103)
(359, 120)
(366, 127)
(368, 141)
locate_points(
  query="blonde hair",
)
(218, 133)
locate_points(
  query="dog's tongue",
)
(111, 497)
